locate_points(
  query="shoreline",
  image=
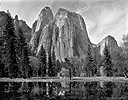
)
(77, 79)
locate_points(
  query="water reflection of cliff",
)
(61, 91)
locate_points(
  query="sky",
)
(102, 17)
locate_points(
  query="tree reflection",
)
(59, 91)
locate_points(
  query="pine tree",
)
(10, 49)
(90, 63)
(107, 63)
(125, 49)
(55, 68)
(52, 65)
(1, 69)
(2, 51)
(42, 59)
(125, 43)
(24, 56)
(69, 67)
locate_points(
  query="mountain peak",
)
(16, 16)
(46, 10)
(109, 37)
(62, 11)
(110, 42)
(47, 7)
(45, 16)
(66, 35)
(65, 12)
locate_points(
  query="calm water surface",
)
(64, 91)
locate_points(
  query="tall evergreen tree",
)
(90, 63)
(2, 51)
(1, 69)
(125, 44)
(69, 67)
(107, 63)
(52, 65)
(118, 64)
(24, 56)
(125, 49)
(55, 67)
(42, 59)
(49, 65)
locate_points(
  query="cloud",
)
(106, 17)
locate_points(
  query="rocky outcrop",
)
(66, 34)
(34, 27)
(25, 28)
(110, 42)
(44, 18)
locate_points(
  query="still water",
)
(63, 91)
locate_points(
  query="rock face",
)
(34, 27)
(66, 34)
(44, 18)
(110, 42)
(25, 28)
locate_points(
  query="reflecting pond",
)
(64, 90)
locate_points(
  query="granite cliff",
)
(44, 18)
(66, 34)
(111, 43)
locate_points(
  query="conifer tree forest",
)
(15, 58)
(14, 55)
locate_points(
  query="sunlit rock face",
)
(66, 34)
(34, 27)
(25, 28)
(111, 43)
(44, 18)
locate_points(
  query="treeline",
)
(91, 66)
(14, 54)
(98, 67)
